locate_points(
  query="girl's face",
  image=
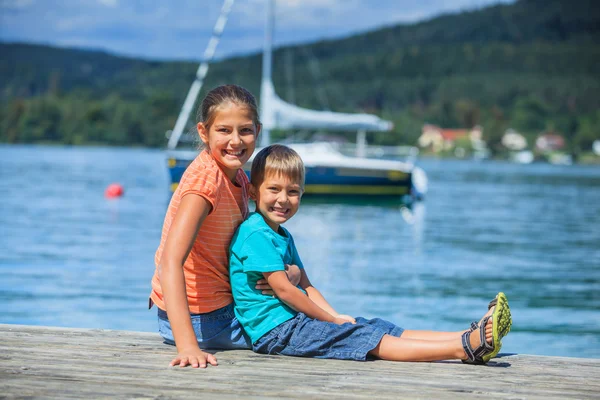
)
(231, 139)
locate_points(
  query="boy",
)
(298, 321)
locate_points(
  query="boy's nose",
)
(283, 197)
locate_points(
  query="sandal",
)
(500, 295)
(505, 318)
(495, 301)
(501, 322)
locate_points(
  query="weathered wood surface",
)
(46, 362)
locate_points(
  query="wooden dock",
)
(45, 362)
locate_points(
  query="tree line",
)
(531, 66)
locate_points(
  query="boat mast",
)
(184, 114)
(266, 88)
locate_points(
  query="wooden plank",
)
(47, 362)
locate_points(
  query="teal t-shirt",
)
(256, 248)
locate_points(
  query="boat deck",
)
(46, 362)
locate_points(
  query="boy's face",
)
(277, 199)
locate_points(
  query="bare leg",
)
(402, 349)
(431, 335)
(405, 349)
(435, 335)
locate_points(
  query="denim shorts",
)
(217, 329)
(302, 336)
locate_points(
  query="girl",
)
(191, 285)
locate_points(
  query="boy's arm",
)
(293, 297)
(318, 298)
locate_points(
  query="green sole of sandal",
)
(502, 322)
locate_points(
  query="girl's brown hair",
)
(222, 95)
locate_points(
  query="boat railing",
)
(407, 153)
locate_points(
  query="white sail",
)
(276, 113)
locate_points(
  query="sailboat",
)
(328, 171)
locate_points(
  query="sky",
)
(181, 29)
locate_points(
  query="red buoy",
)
(113, 190)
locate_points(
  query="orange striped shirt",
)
(206, 269)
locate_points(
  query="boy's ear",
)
(202, 132)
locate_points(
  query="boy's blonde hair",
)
(279, 160)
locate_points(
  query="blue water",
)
(69, 257)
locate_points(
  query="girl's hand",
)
(293, 272)
(340, 321)
(346, 318)
(194, 357)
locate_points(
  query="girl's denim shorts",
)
(217, 329)
(302, 336)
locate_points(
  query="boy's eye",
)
(294, 192)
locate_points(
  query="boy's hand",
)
(346, 318)
(293, 272)
(194, 357)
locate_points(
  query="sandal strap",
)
(467, 346)
(484, 347)
(474, 326)
(476, 355)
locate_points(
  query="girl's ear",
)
(258, 129)
(202, 132)
(252, 191)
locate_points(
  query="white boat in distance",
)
(328, 171)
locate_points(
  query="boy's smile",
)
(277, 199)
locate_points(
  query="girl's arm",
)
(293, 272)
(293, 297)
(318, 298)
(192, 211)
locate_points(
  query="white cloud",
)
(109, 3)
(15, 4)
(179, 28)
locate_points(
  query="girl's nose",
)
(235, 138)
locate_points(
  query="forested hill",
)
(533, 65)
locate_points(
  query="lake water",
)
(69, 257)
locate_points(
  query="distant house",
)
(513, 140)
(549, 141)
(438, 139)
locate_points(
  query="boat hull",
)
(335, 181)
